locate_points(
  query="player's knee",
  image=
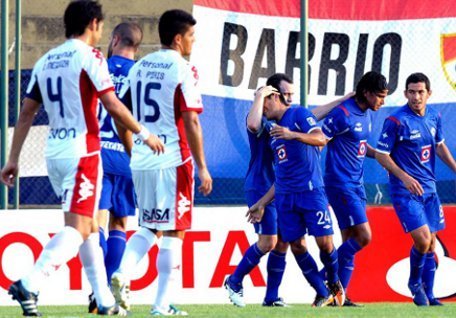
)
(267, 243)
(364, 239)
(298, 248)
(281, 246)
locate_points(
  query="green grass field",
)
(390, 310)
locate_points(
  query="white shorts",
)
(165, 197)
(78, 182)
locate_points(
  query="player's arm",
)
(314, 138)
(29, 109)
(256, 211)
(409, 182)
(445, 155)
(195, 141)
(320, 112)
(370, 151)
(256, 111)
(122, 115)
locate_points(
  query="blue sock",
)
(276, 267)
(331, 264)
(250, 259)
(429, 269)
(103, 244)
(310, 270)
(416, 266)
(347, 253)
(116, 247)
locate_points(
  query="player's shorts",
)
(268, 225)
(78, 182)
(349, 205)
(165, 197)
(118, 195)
(302, 212)
(415, 211)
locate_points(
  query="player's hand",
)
(413, 185)
(9, 173)
(265, 91)
(280, 132)
(155, 144)
(206, 181)
(255, 213)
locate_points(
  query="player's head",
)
(417, 91)
(83, 14)
(176, 30)
(371, 90)
(126, 35)
(284, 84)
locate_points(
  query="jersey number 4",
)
(55, 97)
(148, 101)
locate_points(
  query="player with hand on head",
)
(347, 128)
(163, 91)
(410, 140)
(294, 141)
(68, 80)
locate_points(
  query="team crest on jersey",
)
(311, 121)
(425, 153)
(362, 148)
(281, 153)
(448, 57)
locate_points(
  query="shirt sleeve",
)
(439, 138)
(335, 123)
(190, 100)
(388, 136)
(98, 72)
(33, 89)
(305, 120)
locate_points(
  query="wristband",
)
(143, 134)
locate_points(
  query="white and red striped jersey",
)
(161, 86)
(68, 80)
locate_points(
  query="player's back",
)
(68, 80)
(163, 85)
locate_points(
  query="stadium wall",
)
(214, 247)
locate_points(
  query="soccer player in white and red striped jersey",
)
(69, 80)
(164, 95)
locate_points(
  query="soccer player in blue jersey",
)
(259, 178)
(410, 139)
(300, 199)
(347, 128)
(117, 194)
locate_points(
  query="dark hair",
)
(274, 81)
(129, 33)
(174, 22)
(373, 82)
(418, 78)
(78, 16)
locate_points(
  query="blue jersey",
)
(260, 174)
(411, 141)
(297, 165)
(348, 127)
(115, 159)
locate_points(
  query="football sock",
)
(275, 267)
(91, 257)
(428, 276)
(116, 247)
(250, 259)
(137, 246)
(330, 261)
(169, 261)
(347, 253)
(103, 244)
(310, 270)
(416, 266)
(60, 249)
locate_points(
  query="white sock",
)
(91, 256)
(60, 249)
(169, 261)
(137, 246)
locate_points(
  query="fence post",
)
(17, 85)
(4, 99)
(304, 53)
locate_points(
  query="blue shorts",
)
(349, 205)
(302, 212)
(268, 225)
(415, 211)
(118, 195)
